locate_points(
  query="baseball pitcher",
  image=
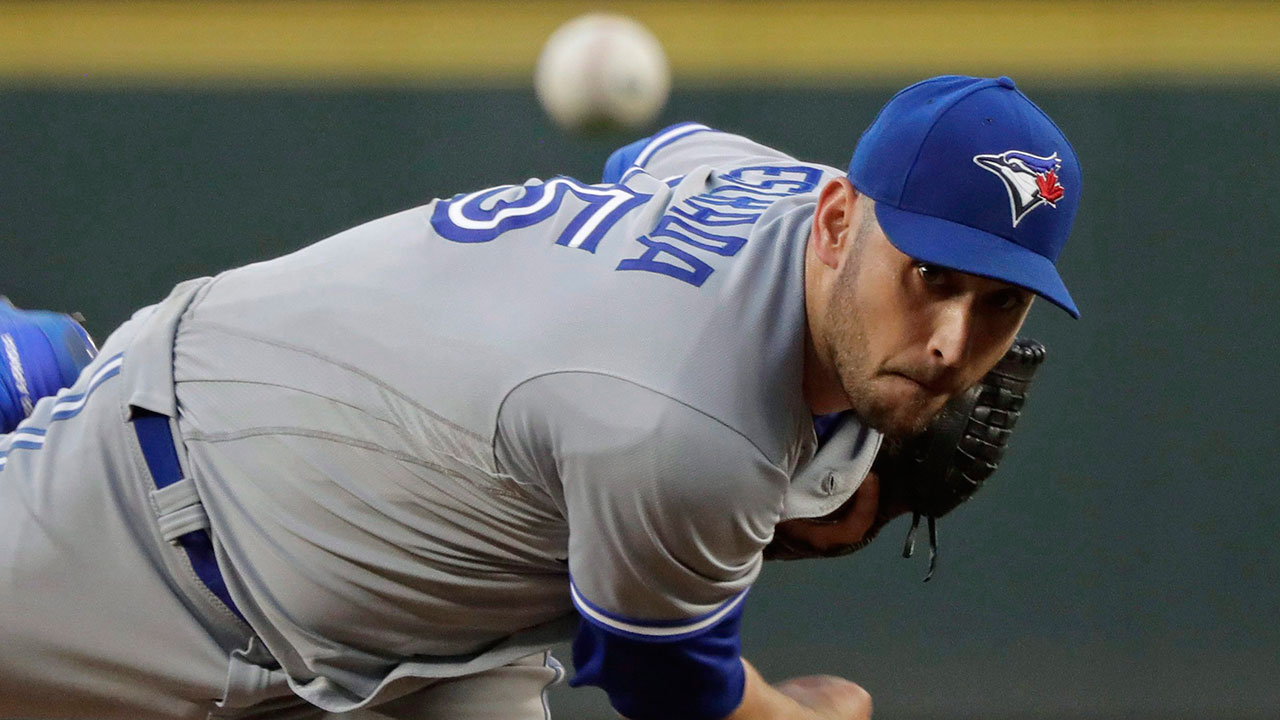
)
(388, 471)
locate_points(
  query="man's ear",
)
(833, 221)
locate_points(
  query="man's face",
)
(905, 336)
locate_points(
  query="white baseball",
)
(602, 70)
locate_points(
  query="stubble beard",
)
(894, 417)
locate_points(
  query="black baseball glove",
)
(930, 474)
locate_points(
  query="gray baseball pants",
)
(102, 615)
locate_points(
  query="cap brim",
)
(960, 247)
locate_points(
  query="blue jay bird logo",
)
(1031, 180)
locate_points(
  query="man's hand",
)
(927, 475)
(816, 697)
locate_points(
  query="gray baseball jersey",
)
(423, 443)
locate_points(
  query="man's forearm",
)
(810, 698)
(760, 701)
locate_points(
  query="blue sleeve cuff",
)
(638, 153)
(657, 671)
(622, 159)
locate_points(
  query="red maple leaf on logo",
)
(1049, 188)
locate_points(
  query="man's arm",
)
(668, 511)
(815, 697)
(678, 149)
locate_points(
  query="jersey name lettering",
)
(717, 221)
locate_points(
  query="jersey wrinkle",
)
(445, 529)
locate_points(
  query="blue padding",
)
(622, 159)
(156, 441)
(698, 678)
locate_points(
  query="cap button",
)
(1006, 81)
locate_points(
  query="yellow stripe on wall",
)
(731, 42)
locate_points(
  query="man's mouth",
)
(931, 387)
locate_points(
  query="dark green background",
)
(1123, 563)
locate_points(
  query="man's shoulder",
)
(677, 149)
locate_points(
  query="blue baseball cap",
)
(969, 174)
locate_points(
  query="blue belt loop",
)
(156, 440)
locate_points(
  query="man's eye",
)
(1009, 300)
(932, 274)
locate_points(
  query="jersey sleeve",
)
(677, 150)
(668, 510)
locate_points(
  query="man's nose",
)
(952, 331)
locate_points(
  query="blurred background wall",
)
(1123, 563)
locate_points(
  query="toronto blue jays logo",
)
(1031, 180)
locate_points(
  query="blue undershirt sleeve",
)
(696, 676)
(622, 159)
(638, 153)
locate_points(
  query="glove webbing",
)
(962, 448)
